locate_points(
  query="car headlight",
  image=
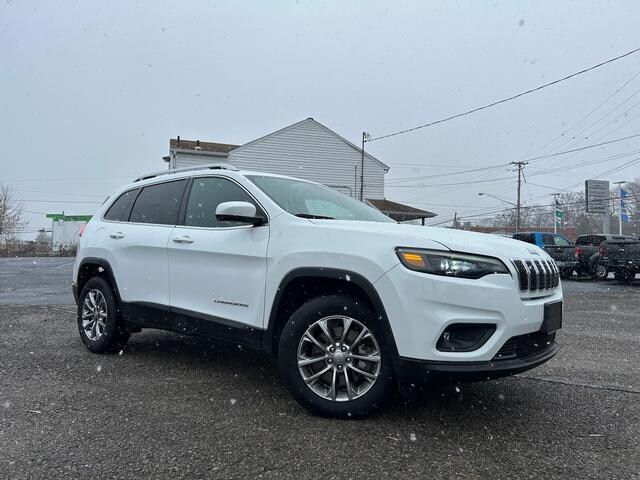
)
(450, 264)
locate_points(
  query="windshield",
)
(310, 200)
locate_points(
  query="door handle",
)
(117, 235)
(183, 239)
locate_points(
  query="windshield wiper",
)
(318, 217)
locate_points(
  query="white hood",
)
(419, 236)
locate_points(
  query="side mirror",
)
(243, 212)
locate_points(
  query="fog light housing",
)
(465, 337)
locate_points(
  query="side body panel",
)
(221, 272)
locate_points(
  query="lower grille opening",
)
(525, 346)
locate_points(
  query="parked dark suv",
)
(587, 255)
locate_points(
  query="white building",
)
(306, 150)
(65, 229)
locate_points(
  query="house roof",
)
(197, 145)
(311, 120)
(399, 211)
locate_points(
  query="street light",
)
(497, 198)
(507, 202)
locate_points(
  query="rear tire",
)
(99, 321)
(357, 379)
(599, 272)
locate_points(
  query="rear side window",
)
(205, 196)
(119, 209)
(159, 204)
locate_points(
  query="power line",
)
(584, 118)
(586, 147)
(575, 137)
(481, 169)
(524, 207)
(513, 97)
(613, 170)
(391, 183)
(56, 201)
(450, 184)
(584, 164)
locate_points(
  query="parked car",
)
(587, 254)
(558, 247)
(622, 257)
(352, 303)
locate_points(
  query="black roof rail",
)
(208, 166)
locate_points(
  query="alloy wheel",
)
(339, 358)
(94, 315)
(600, 271)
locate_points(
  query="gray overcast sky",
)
(90, 92)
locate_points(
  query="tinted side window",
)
(159, 203)
(120, 208)
(584, 240)
(558, 240)
(548, 239)
(525, 237)
(593, 240)
(205, 196)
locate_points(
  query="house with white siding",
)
(306, 150)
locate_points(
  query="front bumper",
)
(413, 372)
(617, 264)
(420, 307)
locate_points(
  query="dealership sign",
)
(597, 196)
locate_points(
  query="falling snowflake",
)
(99, 368)
(233, 401)
(412, 437)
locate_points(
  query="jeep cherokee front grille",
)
(537, 276)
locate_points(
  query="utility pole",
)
(365, 138)
(619, 206)
(520, 166)
(555, 212)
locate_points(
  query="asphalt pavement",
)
(36, 280)
(176, 407)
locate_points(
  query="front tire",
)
(99, 320)
(333, 360)
(625, 275)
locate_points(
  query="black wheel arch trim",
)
(100, 262)
(333, 274)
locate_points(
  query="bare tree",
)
(10, 214)
(534, 216)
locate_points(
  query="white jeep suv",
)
(352, 303)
